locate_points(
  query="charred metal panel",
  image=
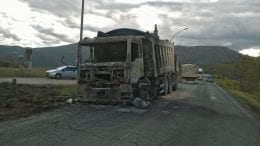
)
(148, 47)
(121, 93)
(164, 57)
(137, 70)
(98, 40)
(155, 72)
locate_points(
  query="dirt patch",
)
(18, 101)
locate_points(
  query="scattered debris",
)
(130, 110)
(70, 100)
(139, 103)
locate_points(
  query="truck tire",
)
(174, 85)
(143, 93)
(166, 86)
(170, 85)
(154, 94)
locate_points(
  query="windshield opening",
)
(110, 52)
(134, 51)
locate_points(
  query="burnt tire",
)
(166, 86)
(174, 85)
(143, 93)
(58, 76)
(170, 85)
(154, 93)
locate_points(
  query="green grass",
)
(40, 94)
(252, 99)
(15, 72)
(19, 100)
(66, 89)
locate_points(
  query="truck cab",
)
(114, 64)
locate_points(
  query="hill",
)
(42, 57)
(51, 56)
(206, 54)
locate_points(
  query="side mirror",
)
(63, 70)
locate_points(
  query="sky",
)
(41, 23)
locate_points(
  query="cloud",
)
(51, 32)
(232, 23)
(7, 34)
(211, 22)
(254, 51)
(61, 8)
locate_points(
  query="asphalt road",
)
(39, 81)
(195, 115)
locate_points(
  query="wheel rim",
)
(58, 76)
(170, 85)
(166, 88)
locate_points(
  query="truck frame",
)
(125, 64)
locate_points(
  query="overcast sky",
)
(39, 23)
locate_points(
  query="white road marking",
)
(212, 98)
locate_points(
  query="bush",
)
(248, 72)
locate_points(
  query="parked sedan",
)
(62, 72)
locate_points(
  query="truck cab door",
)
(137, 69)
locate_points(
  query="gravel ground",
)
(194, 115)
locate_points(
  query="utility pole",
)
(79, 51)
(82, 20)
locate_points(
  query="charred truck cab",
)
(125, 64)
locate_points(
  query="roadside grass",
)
(18, 101)
(61, 89)
(15, 72)
(252, 99)
(65, 90)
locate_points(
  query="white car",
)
(209, 78)
(62, 72)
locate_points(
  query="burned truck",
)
(124, 64)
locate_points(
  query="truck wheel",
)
(58, 76)
(154, 92)
(174, 86)
(143, 94)
(170, 85)
(166, 86)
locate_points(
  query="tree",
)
(248, 73)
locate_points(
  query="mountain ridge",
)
(51, 56)
(206, 54)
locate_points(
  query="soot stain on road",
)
(180, 106)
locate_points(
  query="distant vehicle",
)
(209, 78)
(62, 72)
(190, 73)
(200, 74)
